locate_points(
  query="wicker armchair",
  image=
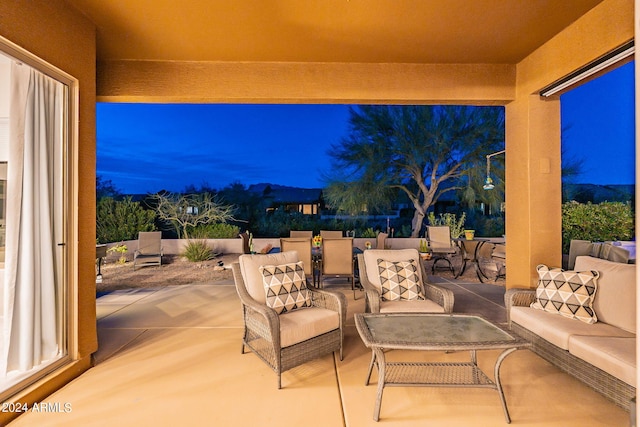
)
(290, 339)
(438, 300)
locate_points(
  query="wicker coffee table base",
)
(414, 374)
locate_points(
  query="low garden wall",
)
(234, 246)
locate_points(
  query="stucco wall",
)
(59, 35)
(533, 191)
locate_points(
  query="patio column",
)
(533, 188)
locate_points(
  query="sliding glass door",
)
(34, 312)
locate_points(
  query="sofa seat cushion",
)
(300, 325)
(615, 356)
(557, 329)
(414, 306)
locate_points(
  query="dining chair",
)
(302, 246)
(337, 260)
(499, 257)
(441, 244)
(381, 239)
(330, 234)
(301, 233)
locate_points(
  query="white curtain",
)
(30, 312)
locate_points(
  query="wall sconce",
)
(488, 182)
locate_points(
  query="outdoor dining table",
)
(472, 255)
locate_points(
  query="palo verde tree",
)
(411, 149)
(187, 211)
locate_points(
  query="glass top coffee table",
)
(434, 332)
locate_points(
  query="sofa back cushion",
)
(615, 301)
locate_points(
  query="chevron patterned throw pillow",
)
(399, 280)
(568, 293)
(286, 287)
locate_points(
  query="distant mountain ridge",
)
(259, 188)
(596, 193)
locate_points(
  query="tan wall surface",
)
(54, 32)
(534, 193)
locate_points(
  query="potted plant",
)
(425, 250)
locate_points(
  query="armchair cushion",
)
(286, 287)
(568, 293)
(399, 280)
(300, 325)
(371, 262)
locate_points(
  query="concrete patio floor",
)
(171, 357)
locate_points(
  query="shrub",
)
(198, 250)
(121, 220)
(368, 233)
(215, 231)
(596, 222)
(122, 250)
(456, 226)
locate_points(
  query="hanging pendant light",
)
(488, 182)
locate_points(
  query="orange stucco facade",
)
(61, 36)
(52, 31)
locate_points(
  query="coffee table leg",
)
(496, 373)
(381, 377)
(373, 360)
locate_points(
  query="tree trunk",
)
(416, 223)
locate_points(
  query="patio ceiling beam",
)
(280, 82)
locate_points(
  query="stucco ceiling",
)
(367, 31)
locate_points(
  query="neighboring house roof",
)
(280, 194)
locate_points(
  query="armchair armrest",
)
(259, 318)
(371, 294)
(442, 296)
(516, 297)
(330, 300)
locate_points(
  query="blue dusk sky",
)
(145, 148)
(149, 147)
(598, 121)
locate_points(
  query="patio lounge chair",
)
(149, 250)
(296, 336)
(435, 299)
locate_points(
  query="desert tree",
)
(187, 211)
(411, 149)
(106, 188)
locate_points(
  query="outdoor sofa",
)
(601, 354)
